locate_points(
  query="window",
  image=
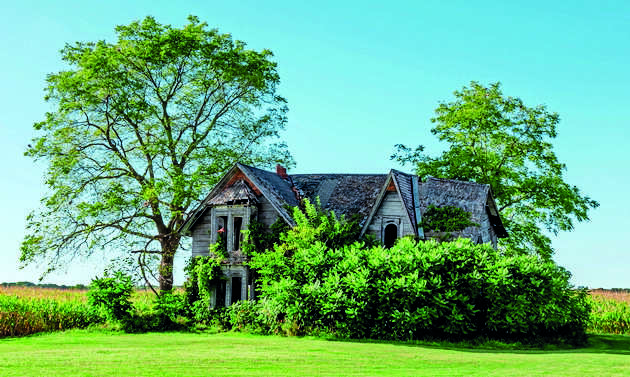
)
(220, 292)
(238, 224)
(237, 283)
(390, 234)
(222, 228)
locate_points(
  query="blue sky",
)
(359, 78)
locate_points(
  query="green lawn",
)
(85, 353)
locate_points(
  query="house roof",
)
(472, 197)
(404, 184)
(346, 194)
(349, 194)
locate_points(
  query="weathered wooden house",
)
(390, 206)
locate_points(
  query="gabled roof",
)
(271, 186)
(349, 194)
(404, 183)
(404, 188)
(276, 189)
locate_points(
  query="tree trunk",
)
(169, 247)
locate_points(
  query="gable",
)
(399, 185)
(390, 211)
(244, 183)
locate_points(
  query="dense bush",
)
(453, 290)
(112, 296)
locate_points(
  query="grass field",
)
(85, 353)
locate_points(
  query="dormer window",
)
(390, 234)
(390, 231)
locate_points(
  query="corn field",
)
(611, 312)
(24, 316)
(29, 310)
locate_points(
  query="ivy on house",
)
(446, 219)
(260, 238)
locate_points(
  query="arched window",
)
(389, 235)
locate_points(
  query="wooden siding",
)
(201, 235)
(266, 213)
(204, 230)
(391, 208)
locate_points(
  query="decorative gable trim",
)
(391, 184)
(236, 173)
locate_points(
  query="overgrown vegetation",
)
(259, 238)
(318, 281)
(315, 279)
(446, 220)
(111, 295)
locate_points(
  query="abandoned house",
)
(390, 206)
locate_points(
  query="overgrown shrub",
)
(259, 238)
(453, 290)
(112, 296)
(445, 221)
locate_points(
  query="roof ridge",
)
(455, 180)
(344, 174)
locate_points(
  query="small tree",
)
(498, 140)
(141, 128)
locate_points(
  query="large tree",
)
(498, 140)
(140, 129)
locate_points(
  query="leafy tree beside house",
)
(497, 140)
(140, 128)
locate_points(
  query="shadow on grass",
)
(605, 344)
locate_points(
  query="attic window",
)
(390, 234)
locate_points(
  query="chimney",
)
(281, 171)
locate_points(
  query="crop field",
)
(142, 298)
(30, 310)
(611, 312)
(611, 295)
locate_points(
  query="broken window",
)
(237, 283)
(238, 223)
(222, 228)
(390, 234)
(220, 291)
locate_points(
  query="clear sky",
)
(359, 77)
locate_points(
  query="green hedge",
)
(414, 290)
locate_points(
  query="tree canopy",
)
(498, 140)
(140, 129)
